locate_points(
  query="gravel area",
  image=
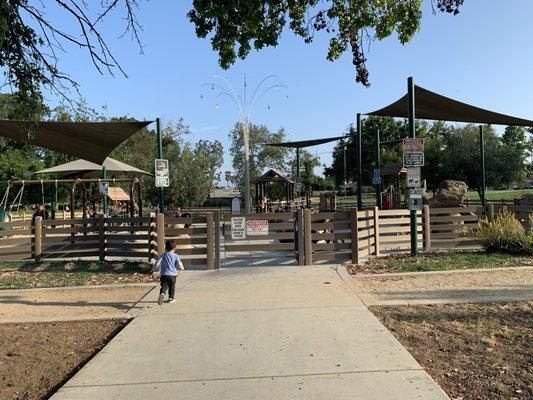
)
(71, 303)
(446, 287)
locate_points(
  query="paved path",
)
(446, 287)
(256, 333)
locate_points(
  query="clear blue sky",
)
(482, 56)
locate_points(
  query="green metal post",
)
(160, 155)
(378, 166)
(104, 196)
(412, 133)
(54, 201)
(482, 153)
(359, 156)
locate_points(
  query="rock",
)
(449, 194)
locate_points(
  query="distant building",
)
(221, 197)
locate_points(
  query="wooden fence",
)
(303, 237)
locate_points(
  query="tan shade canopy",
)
(92, 141)
(307, 143)
(86, 169)
(430, 105)
(116, 193)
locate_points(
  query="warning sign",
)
(257, 227)
(413, 145)
(238, 228)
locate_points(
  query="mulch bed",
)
(37, 358)
(474, 351)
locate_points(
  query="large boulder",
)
(449, 194)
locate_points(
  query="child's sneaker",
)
(172, 300)
(160, 299)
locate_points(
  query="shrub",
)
(505, 234)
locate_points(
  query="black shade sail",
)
(433, 106)
(307, 143)
(91, 141)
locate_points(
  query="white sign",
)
(413, 177)
(238, 228)
(257, 227)
(376, 177)
(413, 159)
(103, 188)
(415, 193)
(235, 205)
(161, 173)
(413, 145)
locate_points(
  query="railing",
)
(304, 237)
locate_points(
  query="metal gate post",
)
(210, 242)
(300, 243)
(217, 239)
(308, 238)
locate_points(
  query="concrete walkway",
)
(256, 333)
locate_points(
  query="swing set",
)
(8, 206)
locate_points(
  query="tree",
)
(351, 24)
(261, 157)
(30, 43)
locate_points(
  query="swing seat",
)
(5, 225)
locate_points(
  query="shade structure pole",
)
(160, 155)
(54, 201)
(377, 148)
(482, 154)
(412, 134)
(298, 171)
(345, 173)
(359, 156)
(104, 195)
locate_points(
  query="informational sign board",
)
(376, 177)
(413, 145)
(413, 177)
(161, 173)
(235, 205)
(103, 188)
(238, 228)
(257, 227)
(413, 159)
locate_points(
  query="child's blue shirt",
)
(169, 262)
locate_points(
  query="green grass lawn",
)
(441, 262)
(495, 195)
(22, 275)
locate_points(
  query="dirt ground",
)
(36, 358)
(457, 286)
(474, 351)
(71, 303)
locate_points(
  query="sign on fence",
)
(257, 227)
(413, 177)
(238, 228)
(413, 145)
(161, 173)
(413, 159)
(103, 188)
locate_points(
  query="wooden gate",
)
(258, 247)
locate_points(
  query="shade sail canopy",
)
(430, 105)
(86, 169)
(92, 141)
(307, 143)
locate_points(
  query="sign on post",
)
(376, 176)
(257, 227)
(414, 199)
(238, 228)
(235, 205)
(413, 177)
(413, 145)
(103, 188)
(413, 159)
(161, 173)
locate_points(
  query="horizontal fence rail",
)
(304, 237)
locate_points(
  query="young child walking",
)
(169, 262)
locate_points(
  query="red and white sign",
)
(257, 227)
(413, 145)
